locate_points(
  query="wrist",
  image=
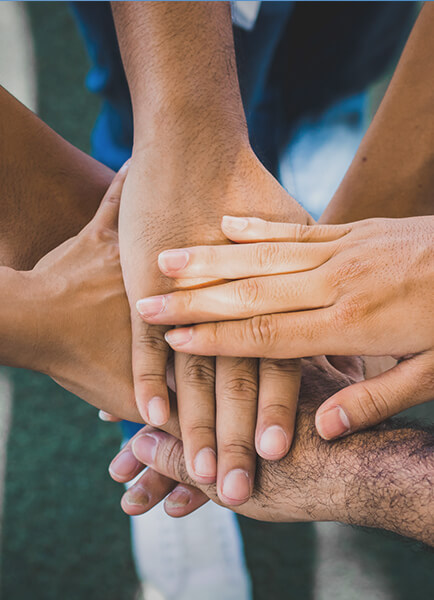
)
(188, 129)
(384, 482)
(18, 325)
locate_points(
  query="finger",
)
(107, 214)
(150, 489)
(125, 466)
(279, 385)
(236, 400)
(184, 500)
(149, 359)
(244, 260)
(240, 299)
(288, 335)
(369, 402)
(195, 382)
(164, 453)
(251, 229)
(107, 417)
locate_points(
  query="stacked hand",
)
(304, 486)
(365, 288)
(218, 399)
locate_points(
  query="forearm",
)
(392, 174)
(180, 63)
(387, 480)
(50, 189)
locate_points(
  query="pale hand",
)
(359, 288)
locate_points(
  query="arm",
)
(192, 161)
(50, 189)
(53, 317)
(381, 478)
(392, 174)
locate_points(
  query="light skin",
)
(191, 161)
(303, 291)
(380, 478)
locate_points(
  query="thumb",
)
(369, 402)
(107, 214)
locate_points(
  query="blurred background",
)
(62, 533)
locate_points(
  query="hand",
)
(80, 313)
(380, 478)
(363, 287)
(287, 490)
(157, 212)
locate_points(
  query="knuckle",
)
(349, 309)
(347, 271)
(101, 234)
(173, 460)
(240, 387)
(371, 406)
(277, 367)
(262, 330)
(185, 300)
(265, 255)
(302, 233)
(210, 255)
(237, 447)
(247, 293)
(199, 372)
(142, 376)
(278, 407)
(151, 340)
(201, 430)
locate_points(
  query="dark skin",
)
(50, 189)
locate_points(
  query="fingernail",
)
(236, 485)
(104, 416)
(123, 464)
(179, 498)
(145, 448)
(136, 496)
(149, 307)
(157, 411)
(173, 260)
(205, 463)
(332, 423)
(178, 337)
(234, 223)
(274, 441)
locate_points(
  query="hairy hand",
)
(379, 478)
